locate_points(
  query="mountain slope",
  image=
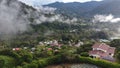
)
(74, 8)
(108, 7)
(88, 9)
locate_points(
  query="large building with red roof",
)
(103, 51)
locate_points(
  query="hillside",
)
(87, 9)
(39, 36)
(74, 8)
(108, 7)
(27, 25)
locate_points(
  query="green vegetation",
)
(116, 43)
(55, 31)
(46, 55)
(7, 62)
(41, 63)
(33, 55)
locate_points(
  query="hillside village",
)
(98, 50)
(35, 36)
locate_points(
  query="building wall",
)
(99, 49)
(95, 55)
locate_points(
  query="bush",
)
(101, 63)
(85, 54)
(20, 56)
(7, 62)
(32, 65)
(41, 63)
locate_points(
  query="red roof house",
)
(103, 51)
(16, 49)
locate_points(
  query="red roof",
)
(101, 46)
(96, 45)
(97, 52)
(109, 50)
(16, 49)
(49, 49)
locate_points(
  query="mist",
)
(106, 18)
(109, 21)
(47, 14)
(14, 21)
(10, 21)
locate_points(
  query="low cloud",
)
(13, 21)
(10, 21)
(106, 18)
(47, 14)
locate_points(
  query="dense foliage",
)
(46, 55)
(54, 31)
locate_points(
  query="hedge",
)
(41, 63)
(98, 62)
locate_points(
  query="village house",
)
(102, 51)
(16, 49)
(55, 43)
(79, 44)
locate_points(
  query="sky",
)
(43, 2)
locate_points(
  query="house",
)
(55, 43)
(102, 51)
(79, 44)
(16, 49)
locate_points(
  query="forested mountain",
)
(87, 9)
(108, 7)
(28, 25)
(74, 8)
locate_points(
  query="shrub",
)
(32, 65)
(85, 54)
(101, 63)
(7, 62)
(41, 63)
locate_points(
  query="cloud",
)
(106, 18)
(31, 2)
(114, 29)
(10, 21)
(79, 0)
(13, 21)
(47, 14)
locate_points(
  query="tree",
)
(115, 43)
(7, 62)
(85, 54)
(118, 56)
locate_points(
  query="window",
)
(110, 54)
